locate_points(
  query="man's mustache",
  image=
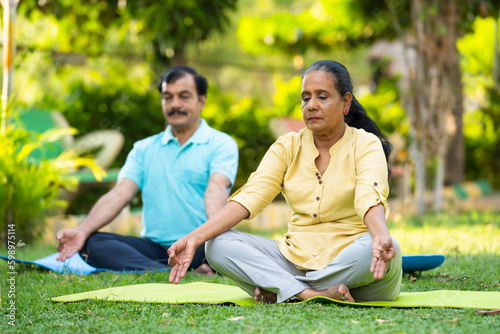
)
(177, 111)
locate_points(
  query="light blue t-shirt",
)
(173, 179)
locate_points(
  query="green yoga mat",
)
(210, 293)
(198, 293)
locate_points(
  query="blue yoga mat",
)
(72, 265)
(414, 263)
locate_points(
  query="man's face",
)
(181, 104)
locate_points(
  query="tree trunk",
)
(9, 51)
(455, 160)
(438, 94)
(179, 56)
(496, 55)
(419, 111)
(420, 165)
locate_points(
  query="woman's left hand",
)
(383, 252)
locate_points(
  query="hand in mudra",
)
(181, 254)
(383, 253)
(70, 242)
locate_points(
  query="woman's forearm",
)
(375, 221)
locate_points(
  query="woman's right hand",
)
(181, 255)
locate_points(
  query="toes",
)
(340, 292)
(258, 295)
(342, 289)
(344, 293)
(265, 297)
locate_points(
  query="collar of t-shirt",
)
(201, 135)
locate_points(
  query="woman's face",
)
(322, 106)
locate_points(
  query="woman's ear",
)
(347, 100)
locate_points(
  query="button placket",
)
(318, 197)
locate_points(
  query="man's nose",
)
(176, 102)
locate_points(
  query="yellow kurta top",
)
(328, 209)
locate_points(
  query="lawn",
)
(471, 243)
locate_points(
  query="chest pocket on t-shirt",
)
(197, 179)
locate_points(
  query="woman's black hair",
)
(356, 117)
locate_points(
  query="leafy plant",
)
(29, 187)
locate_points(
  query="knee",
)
(222, 246)
(398, 256)
(215, 248)
(396, 263)
(95, 240)
(91, 241)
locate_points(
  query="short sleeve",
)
(372, 187)
(266, 182)
(224, 159)
(134, 165)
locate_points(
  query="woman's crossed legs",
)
(257, 266)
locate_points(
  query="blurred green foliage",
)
(105, 93)
(29, 187)
(483, 140)
(159, 28)
(286, 99)
(246, 121)
(483, 99)
(384, 107)
(98, 64)
(325, 25)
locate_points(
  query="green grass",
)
(470, 242)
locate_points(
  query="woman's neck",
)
(325, 141)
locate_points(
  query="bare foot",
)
(337, 292)
(264, 297)
(204, 269)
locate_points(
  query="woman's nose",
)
(313, 103)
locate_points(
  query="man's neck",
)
(183, 134)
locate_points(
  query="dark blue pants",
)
(118, 252)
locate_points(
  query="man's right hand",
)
(70, 242)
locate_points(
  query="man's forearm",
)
(216, 194)
(214, 201)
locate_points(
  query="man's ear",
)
(202, 100)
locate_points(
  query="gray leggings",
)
(252, 261)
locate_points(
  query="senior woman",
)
(333, 175)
